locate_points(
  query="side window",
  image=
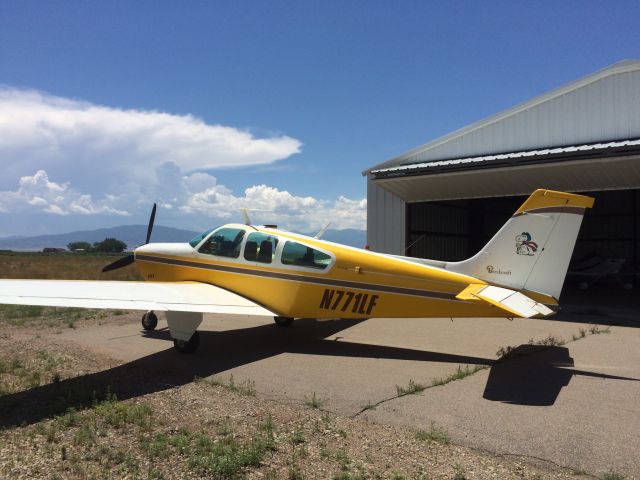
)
(224, 243)
(260, 247)
(300, 255)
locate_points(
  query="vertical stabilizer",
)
(533, 249)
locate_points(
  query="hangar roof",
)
(594, 113)
(618, 148)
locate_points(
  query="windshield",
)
(198, 238)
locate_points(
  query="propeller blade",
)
(121, 262)
(151, 220)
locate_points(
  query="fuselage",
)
(298, 276)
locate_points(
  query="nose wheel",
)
(149, 321)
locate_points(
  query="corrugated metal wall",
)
(606, 109)
(438, 231)
(386, 228)
(612, 228)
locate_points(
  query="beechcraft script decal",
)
(524, 245)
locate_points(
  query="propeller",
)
(129, 259)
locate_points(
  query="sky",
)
(207, 107)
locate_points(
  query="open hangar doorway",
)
(605, 267)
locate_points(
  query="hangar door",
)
(457, 229)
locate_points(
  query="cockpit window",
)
(224, 243)
(198, 238)
(260, 247)
(300, 255)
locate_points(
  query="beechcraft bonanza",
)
(261, 270)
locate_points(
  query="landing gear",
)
(183, 328)
(149, 321)
(283, 321)
(190, 346)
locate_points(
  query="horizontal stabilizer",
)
(514, 302)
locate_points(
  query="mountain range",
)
(134, 235)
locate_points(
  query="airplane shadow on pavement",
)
(534, 375)
(531, 376)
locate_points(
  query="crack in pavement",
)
(507, 356)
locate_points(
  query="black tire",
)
(283, 321)
(187, 347)
(149, 321)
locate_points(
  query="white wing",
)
(161, 296)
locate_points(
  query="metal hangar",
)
(445, 199)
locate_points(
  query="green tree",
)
(86, 246)
(110, 245)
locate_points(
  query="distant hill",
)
(348, 236)
(134, 235)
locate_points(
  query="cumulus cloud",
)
(67, 157)
(38, 193)
(92, 143)
(196, 195)
(272, 205)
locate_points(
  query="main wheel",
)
(283, 321)
(149, 321)
(190, 346)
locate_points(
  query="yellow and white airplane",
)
(251, 270)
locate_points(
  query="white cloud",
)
(38, 193)
(196, 195)
(272, 205)
(75, 158)
(100, 147)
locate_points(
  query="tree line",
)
(108, 245)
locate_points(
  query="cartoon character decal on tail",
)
(524, 245)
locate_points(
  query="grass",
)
(20, 372)
(343, 459)
(314, 401)
(69, 266)
(411, 389)
(612, 476)
(349, 476)
(120, 415)
(458, 472)
(368, 406)
(156, 446)
(297, 436)
(248, 387)
(434, 434)
(551, 341)
(34, 316)
(459, 374)
(596, 330)
(225, 457)
(222, 455)
(84, 436)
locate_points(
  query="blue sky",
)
(192, 103)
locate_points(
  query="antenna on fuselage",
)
(322, 231)
(245, 214)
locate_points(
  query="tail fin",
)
(532, 250)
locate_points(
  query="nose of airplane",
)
(164, 249)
